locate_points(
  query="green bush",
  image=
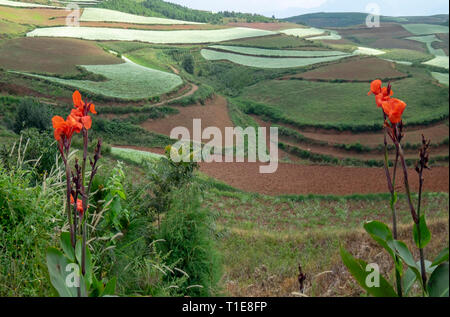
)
(188, 63)
(189, 240)
(31, 114)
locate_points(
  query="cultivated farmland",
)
(441, 77)
(125, 81)
(275, 53)
(423, 29)
(163, 37)
(357, 69)
(105, 15)
(303, 32)
(266, 62)
(60, 56)
(23, 4)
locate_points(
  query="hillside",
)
(169, 10)
(344, 19)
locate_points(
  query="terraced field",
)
(52, 55)
(294, 99)
(275, 53)
(23, 4)
(127, 81)
(423, 29)
(162, 37)
(304, 32)
(266, 62)
(105, 15)
(356, 69)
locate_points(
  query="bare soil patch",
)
(388, 35)
(213, 114)
(358, 69)
(52, 55)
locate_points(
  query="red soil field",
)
(213, 114)
(388, 35)
(52, 55)
(437, 133)
(296, 179)
(359, 69)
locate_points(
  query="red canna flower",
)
(63, 130)
(81, 111)
(382, 94)
(79, 205)
(394, 109)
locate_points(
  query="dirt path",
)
(193, 89)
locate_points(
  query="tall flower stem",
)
(85, 201)
(68, 203)
(415, 215)
(391, 187)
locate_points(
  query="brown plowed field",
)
(296, 179)
(388, 35)
(52, 55)
(437, 133)
(213, 114)
(360, 69)
(340, 153)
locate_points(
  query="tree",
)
(188, 63)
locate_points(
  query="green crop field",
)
(319, 103)
(276, 53)
(439, 61)
(135, 156)
(368, 51)
(266, 62)
(441, 77)
(423, 29)
(334, 35)
(106, 15)
(406, 55)
(164, 37)
(278, 41)
(125, 81)
(304, 32)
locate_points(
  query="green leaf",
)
(66, 245)
(358, 269)
(401, 249)
(59, 271)
(380, 233)
(110, 288)
(438, 284)
(408, 281)
(88, 267)
(442, 257)
(425, 234)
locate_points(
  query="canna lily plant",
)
(71, 271)
(432, 277)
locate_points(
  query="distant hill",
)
(163, 9)
(343, 19)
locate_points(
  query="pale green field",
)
(306, 32)
(428, 40)
(106, 15)
(441, 77)
(126, 81)
(134, 155)
(267, 62)
(439, 61)
(23, 4)
(423, 29)
(160, 37)
(368, 51)
(333, 36)
(276, 53)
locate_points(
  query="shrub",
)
(188, 236)
(31, 114)
(188, 63)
